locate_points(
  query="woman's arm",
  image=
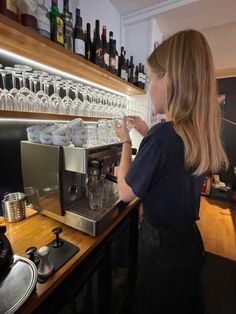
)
(125, 192)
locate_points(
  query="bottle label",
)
(112, 63)
(11, 5)
(68, 29)
(59, 34)
(117, 63)
(43, 20)
(123, 74)
(79, 46)
(106, 59)
(140, 77)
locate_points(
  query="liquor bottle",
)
(79, 43)
(97, 45)
(112, 54)
(127, 70)
(131, 71)
(68, 26)
(116, 58)
(136, 76)
(143, 78)
(140, 75)
(122, 64)
(88, 43)
(9, 8)
(27, 13)
(105, 49)
(56, 24)
(42, 15)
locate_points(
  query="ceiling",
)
(125, 7)
(199, 14)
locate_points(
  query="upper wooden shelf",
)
(26, 42)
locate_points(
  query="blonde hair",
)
(192, 98)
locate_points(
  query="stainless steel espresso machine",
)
(59, 175)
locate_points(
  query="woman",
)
(168, 172)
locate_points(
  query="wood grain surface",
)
(217, 225)
(26, 42)
(36, 231)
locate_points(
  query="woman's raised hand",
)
(139, 124)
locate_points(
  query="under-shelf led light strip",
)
(37, 65)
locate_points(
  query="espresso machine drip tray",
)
(90, 221)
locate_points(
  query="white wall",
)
(223, 44)
(92, 10)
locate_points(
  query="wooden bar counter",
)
(36, 231)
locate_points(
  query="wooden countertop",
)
(218, 227)
(36, 231)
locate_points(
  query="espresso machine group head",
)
(60, 176)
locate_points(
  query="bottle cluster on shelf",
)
(59, 28)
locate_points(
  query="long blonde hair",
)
(192, 98)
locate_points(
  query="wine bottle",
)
(127, 70)
(122, 64)
(143, 78)
(97, 45)
(42, 15)
(27, 13)
(131, 70)
(136, 75)
(116, 58)
(79, 43)
(9, 8)
(112, 54)
(56, 24)
(105, 49)
(140, 80)
(88, 43)
(68, 26)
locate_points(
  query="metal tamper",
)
(45, 268)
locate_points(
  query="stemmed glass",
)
(13, 91)
(55, 100)
(86, 103)
(23, 91)
(41, 96)
(66, 101)
(77, 103)
(31, 99)
(6, 99)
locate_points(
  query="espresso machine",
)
(59, 177)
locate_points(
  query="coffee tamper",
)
(31, 251)
(45, 268)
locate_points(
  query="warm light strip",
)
(32, 120)
(41, 66)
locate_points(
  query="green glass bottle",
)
(57, 24)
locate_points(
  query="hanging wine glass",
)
(77, 102)
(13, 91)
(55, 100)
(41, 95)
(24, 91)
(6, 99)
(66, 101)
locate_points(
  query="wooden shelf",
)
(25, 42)
(228, 72)
(42, 116)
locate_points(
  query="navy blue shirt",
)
(170, 193)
